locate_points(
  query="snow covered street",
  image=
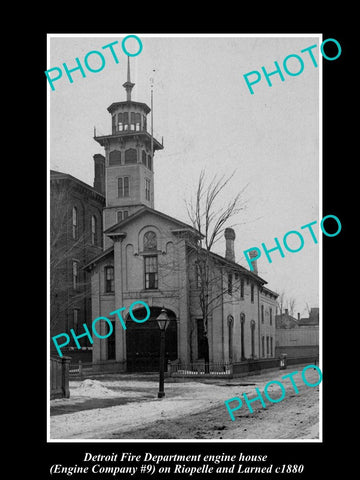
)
(121, 408)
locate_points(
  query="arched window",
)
(252, 327)
(114, 158)
(130, 156)
(93, 230)
(74, 223)
(150, 241)
(143, 157)
(230, 325)
(242, 343)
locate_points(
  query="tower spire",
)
(128, 85)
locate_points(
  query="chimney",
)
(254, 262)
(99, 173)
(229, 237)
(286, 311)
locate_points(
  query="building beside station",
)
(75, 237)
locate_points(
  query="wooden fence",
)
(228, 370)
(59, 377)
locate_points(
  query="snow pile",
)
(94, 388)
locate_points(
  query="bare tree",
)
(290, 304)
(209, 217)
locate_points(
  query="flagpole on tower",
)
(152, 119)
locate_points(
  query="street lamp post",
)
(163, 322)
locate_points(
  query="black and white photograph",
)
(185, 236)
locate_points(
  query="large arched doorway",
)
(143, 341)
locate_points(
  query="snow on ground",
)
(181, 400)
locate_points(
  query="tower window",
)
(252, 293)
(262, 313)
(114, 157)
(126, 120)
(132, 121)
(109, 279)
(74, 223)
(149, 162)
(93, 230)
(130, 156)
(143, 157)
(120, 122)
(144, 122)
(123, 187)
(151, 272)
(270, 316)
(113, 123)
(147, 189)
(137, 121)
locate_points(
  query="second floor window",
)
(151, 272)
(109, 279)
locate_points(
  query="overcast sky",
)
(209, 120)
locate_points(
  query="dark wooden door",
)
(143, 343)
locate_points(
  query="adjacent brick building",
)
(75, 237)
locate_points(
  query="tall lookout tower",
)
(129, 153)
